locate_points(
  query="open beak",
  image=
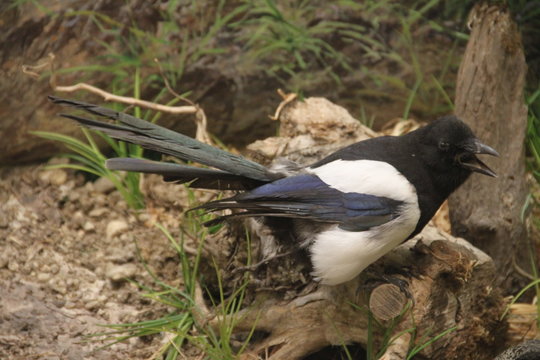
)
(469, 160)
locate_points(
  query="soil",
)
(66, 248)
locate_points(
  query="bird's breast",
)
(339, 255)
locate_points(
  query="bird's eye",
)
(443, 145)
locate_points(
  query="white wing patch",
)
(366, 177)
(339, 255)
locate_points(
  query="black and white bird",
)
(347, 210)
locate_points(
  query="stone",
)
(116, 227)
(120, 272)
(54, 177)
(98, 212)
(103, 185)
(89, 226)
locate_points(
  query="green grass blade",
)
(417, 349)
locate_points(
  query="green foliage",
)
(287, 38)
(176, 46)
(180, 324)
(90, 159)
(533, 133)
(299, 43)
(425, 341)
(532, 284)
(389, 335)
(420, 86)
(533, 147)
(527, 15)
(302, 45)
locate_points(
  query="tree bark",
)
(489, 97)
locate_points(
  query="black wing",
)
(306, 196)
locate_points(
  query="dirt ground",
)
(66, 249)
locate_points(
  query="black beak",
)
(469, 161)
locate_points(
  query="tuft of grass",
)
(389, 335)
(425, 342)
(388, 330)
(533, 147)
(533, 133)
(286, 38)
(180, 325)
(300, 44)
(532, 284)
(90, 159)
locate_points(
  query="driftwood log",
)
(448, 287)
(489, 97)
(429, 285)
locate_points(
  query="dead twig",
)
(127, 100)
(287, 99)
(192, 108)
(201, 314)
(200, 116)
(32, 70)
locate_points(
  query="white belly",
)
(338, 255)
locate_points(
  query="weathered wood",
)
(489, 97)
(387, 301)
(528, 350)
(449, 286)
(445, 281)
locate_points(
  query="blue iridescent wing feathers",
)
(307, 197)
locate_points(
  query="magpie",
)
(347, 210)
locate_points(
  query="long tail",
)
(196, 177)
(236, 172)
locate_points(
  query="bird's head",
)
(450, 146)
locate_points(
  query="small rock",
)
(92, 305)
(115, 227)
(55, 177)
(120, 272)
(89, 226)
(123, 254)
(58, 161)
(58, 177)
(89, 186)
(78, 218)
(4, 222)
(55, 268)
(4, 260)
(13, 265)
(74, 196)
(66, 189)
(73, 282)
(58, 285)
(98, 212)
(121, 205)
(100, 199)
(11, 340)
(103, 185)
(59, 303)
(43, 277)
(144, 217)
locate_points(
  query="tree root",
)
(447, 286)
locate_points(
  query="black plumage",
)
(347, 209)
